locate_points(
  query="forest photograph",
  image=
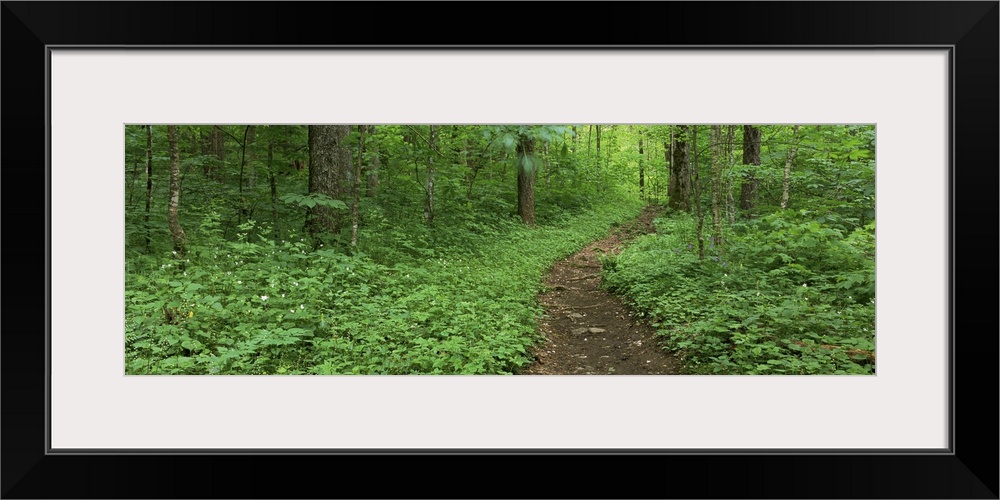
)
(543, 249)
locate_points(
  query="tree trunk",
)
(679, 190)
(273, 184)
(666, 159)
(357, 186)
(597, 131)
(251, 170)
(429, 184)
(727, 185)
(697, 195)
(329, 161)
(470, 164)
(548, 166)
(218, 149)
(149, 183)
(642, 173)
(718, 159)
(374, 164)
(244, 206)
(751, 156)
(526, 179)
(173, 219)
(788, 168)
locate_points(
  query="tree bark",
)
(679, 189)
(357, 186)
(244, 206)
(597, 131)
(173, 219)
(751, 156)
(718, 165)
(429, 184)
(273, 185)
(526, 179)
(218, 149)
(251, 137)
(548, 166)
(788, 168)
(727, 186)
(373, 166)
(642, 173)
(329, 161)
(697, 194)
(149, 183)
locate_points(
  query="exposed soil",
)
(589, 331)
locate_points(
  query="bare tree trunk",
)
(470, 164)
(728, 184)
(527, 169)
(173, 219)
(679, 191)
(374, 164)
(429, 185)
(273, 184)
(788, 168)
(149, 183)
(668, 153)
(548, 166)
(718, 157)
(597, 130)
(642, 173)
(329, 161)
(697, 194)
(751, 156)
(243, 208)
(357, 187)
(218, 149)
(251, 170)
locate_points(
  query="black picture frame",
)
(968, 470)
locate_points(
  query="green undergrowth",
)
(791, 293)
(456, 298)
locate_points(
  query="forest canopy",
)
(421, 249)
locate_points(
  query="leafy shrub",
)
(788, 295)
(453, 298)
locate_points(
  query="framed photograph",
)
(922, 76)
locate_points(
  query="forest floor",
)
(589, 331)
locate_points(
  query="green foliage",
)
(459, 296)
(313, 200)
(789, 296)
(430, 303)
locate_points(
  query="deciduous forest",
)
(499, 249)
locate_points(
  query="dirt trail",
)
(589, 331)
